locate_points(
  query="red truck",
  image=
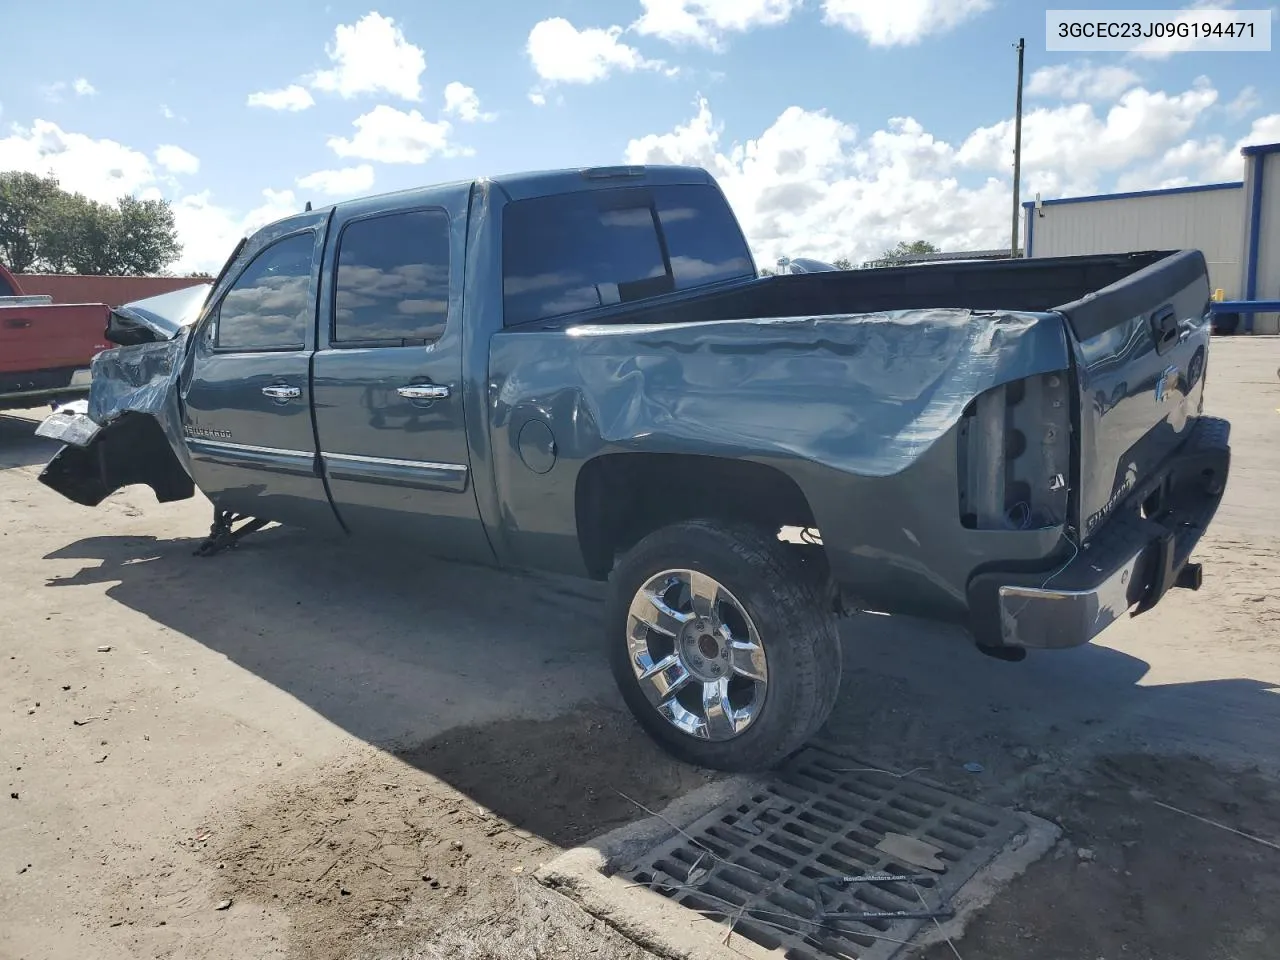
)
(45, 347)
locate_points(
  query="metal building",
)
(1236, 225)
(1262, 233)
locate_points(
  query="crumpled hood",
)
(157, 318)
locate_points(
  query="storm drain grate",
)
(756, 859)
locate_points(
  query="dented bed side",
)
(862, 412)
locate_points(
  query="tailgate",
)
(51, 336)
(1141, 352)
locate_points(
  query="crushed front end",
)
(130, 429)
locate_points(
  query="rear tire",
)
(742, 675)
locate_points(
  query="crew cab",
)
(582, 372)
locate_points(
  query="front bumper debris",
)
(128, 432)
(1129, 565)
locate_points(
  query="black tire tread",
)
(791, 594)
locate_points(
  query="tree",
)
(844, 263)
(44, 227)
(905, 249)
(74, 235)
(146, 237)
(24, 199)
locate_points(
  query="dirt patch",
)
(1242, 591)
(563, 781)
(1135, 880)
(436, 846)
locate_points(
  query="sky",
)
(835, 127)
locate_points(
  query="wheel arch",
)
(620, 498)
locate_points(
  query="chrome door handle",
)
(423, 391)
(278, 392)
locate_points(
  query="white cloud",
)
(372, 56)
(1072, 149)
(102, 170)
(885, 23)
(105, 170)
(1264, 130)
(167, 112)
(389, 135)
(292, 97)
(537, 98)
(1081, 81)
(347, 182)
(209, 232)
(1211, 159)
(462, 102)
(813, 185)
(83, 88)
(176, 160)
(808, 185)
(561, 53)
(1244, 103)
(705, 22)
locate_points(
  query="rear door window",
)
(392, 282)
(571, 252)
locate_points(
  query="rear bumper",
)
(1129, 565)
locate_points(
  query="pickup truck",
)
(45, 347)
(582, 372)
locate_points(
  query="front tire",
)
(724, 646)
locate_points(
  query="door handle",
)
(423, 391)
(281, 392)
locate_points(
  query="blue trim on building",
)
(1249, 307)
(1260, 149)
(1031, 229)
(1166, 192)
(1255, 233)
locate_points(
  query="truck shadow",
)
(19, 446)
(496, 683)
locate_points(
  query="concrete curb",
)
(642, 916)
(979, 890)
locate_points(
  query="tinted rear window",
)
(703, 237)
(571, 252)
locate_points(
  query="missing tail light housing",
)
(1014, 455)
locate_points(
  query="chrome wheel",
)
(697, 655)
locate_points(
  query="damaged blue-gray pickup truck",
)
(583, 372)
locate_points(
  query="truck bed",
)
(1051, 283)
(1136, 329)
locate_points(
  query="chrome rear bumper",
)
(1129, 565)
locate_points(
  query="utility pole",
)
(1017, 154)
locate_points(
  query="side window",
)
(574, 251)
(392, 283)
(704, 240)
(268, 307)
